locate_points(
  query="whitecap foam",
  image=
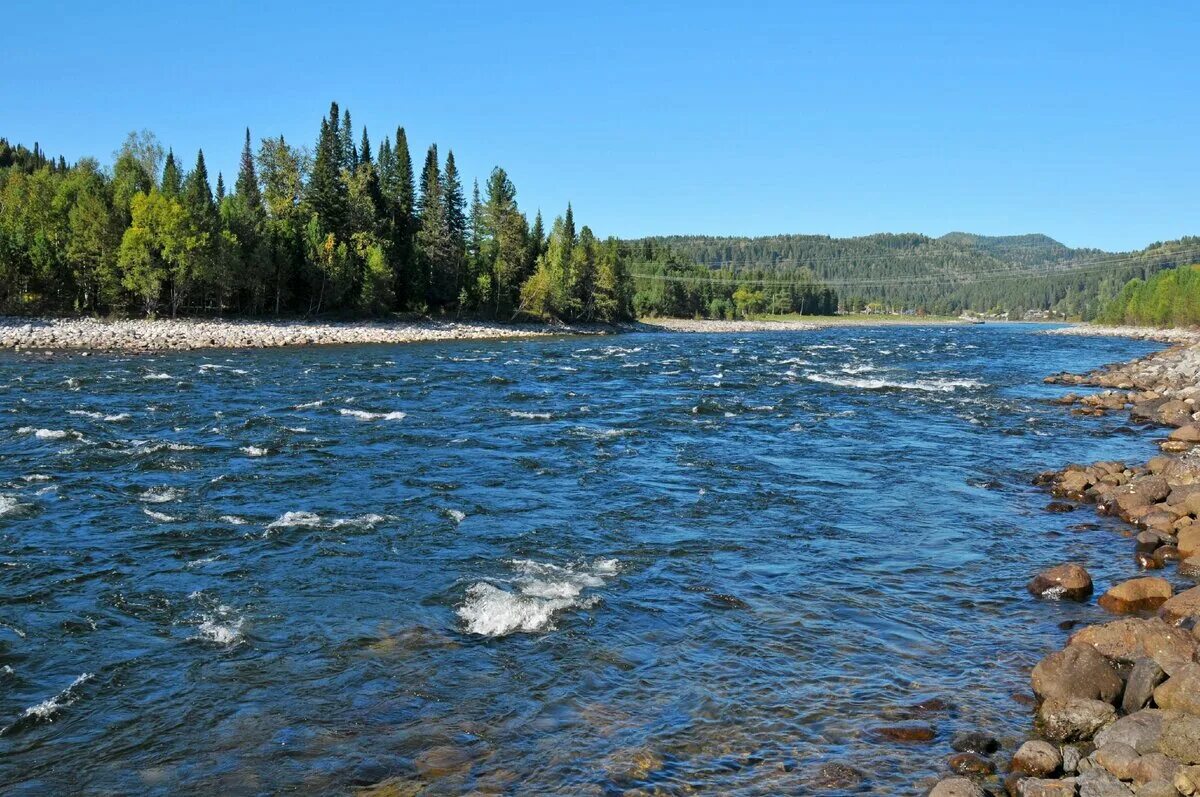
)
(254, 451)
(46, 434)
(161, 517)
(311, 405)
(45, 711)
(234, 520)
(10, 506)
(529, 416)
(159, 495)
(223, 627)
(542, 590)
(456, 515)
(929, 385)
(368, 521)
(363, 415)
(156, 377)
(295, 520)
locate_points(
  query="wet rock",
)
(1181, 691)
(1066, 582)
(931, 707)
(1180, 737)
(1074, 719)
(633, 764)
(1190, 567)
(1167, 553)
(971, 765)
(1137, 595)
(906, 733)
(974, 742)
(1183, 606)
(1147, 561)
(441, 761)
(836, 775)
(1139, 687)
(1077, 671)
(1187, 434)
(1037, 759)
(1133, 638)
(957, 787)
(1060, 506)
(1099, 783)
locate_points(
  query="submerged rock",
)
(970, 764)
(974, 742)
(836, 775)
(1066, 582)
(906, 733)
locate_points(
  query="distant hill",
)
(956, 272)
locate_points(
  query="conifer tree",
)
(172, 180)
(326, 190)
(220, 187)
(364, 149)
(247, 179)
(346, 143)
(454, 206)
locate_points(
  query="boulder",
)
(1181, 691)
(1077, 671)
(1186, 434)
(974, 742)
(1067, 582)
(1188, 541)
(1037, 759)
(1187, 780)
(1183, 606)
(1141, 731)
(1035, 787)
(1133, 638)
(836, 775)
(1142, 492)
(1074, 719)
(957, 787)
(1100, 783)
(1137, 595)
(1190, 567)
(1139, 687)
(1117, 758)
(1073, 482)
(1154, 767)
(1180, 737)
(971, 765)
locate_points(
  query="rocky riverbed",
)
(1118, 707)
(186, 334)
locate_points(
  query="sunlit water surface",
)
(556, 566)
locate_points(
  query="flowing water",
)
(566, 566)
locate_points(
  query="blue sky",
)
(1078, 120)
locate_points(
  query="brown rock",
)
(907, 733)
(956, 787)
(1118, 758)
(1187, 780)
(1037, 759)
(1184, 605)
(1067, 581)
(1077, 671)
(1190, 567)
(1141, 731)
(1181, 738)
(1187, 434)
(1153, 767)
(1137, 595)
(1167, 553)
(836, 775)
(1188, 541)
(1181, 691)
(1074, 719)
(441, 761)
(1047, 788)
(1145, 676)
(1133, 638)
(971, 765)
(1073, 483)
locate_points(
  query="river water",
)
(567, 566)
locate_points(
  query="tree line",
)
(1170, 298)
(344, 228)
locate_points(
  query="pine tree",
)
(569, 229)
(364, 150)
(326, 190)
(396, 187)
(247, 179)
(220, 187)
(437, 277)
(172, 180)
(454, 205)
(346, 142)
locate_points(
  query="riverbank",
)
(1118, 707)
(1181, 336)
(186, 334)
(816, 322)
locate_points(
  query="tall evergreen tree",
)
(220, 187)
(247, 179)
(396, 187)
(172, 180)
(346, 142)
(364, 149)
(455, 208)
(326, 190)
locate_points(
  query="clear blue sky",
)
(1078, 120)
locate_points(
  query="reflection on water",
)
(577, 566)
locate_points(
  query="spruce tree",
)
(172, 180)
(346, 142)
(247, 179)
(364, 150)
(326, 190)
(433, 249)
(220, 187)
(455, 208)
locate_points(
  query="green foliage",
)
(1170, 298)
(343, 231)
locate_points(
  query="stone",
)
(836, 775)
(1186, 434)
(1154, 767)
(1067, 582)
(1117, 758)
(1181, 691)
(974, 742)
(1190, 567)
(1137, 595)
(1099, 783)
(1187, 780)
(1183, 606)
(1139, 686)
(1047, 788)
(1133, 638)
(1036, 758)
(1141, 731)
(907, 733)
(1180, 737)
(1077, 671)
(1060, 506)
(957, 787)
(971, 765)
(1074, 719)
(1071, 756)
(443, 760)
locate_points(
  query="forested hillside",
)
(944, 275)
(346, 228)
(1170, 298)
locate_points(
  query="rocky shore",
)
(1118, 708)
(184, 334)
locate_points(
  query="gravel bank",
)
(1140, 333)
(158, 335)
